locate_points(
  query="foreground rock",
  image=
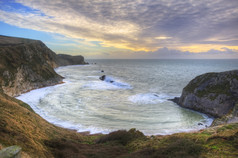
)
(215, 94)
(29, 64)
(11, 152)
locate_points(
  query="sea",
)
(134, 94)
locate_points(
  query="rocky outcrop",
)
(215, 94)
(29, 64)
(11, 152)
(25, 65)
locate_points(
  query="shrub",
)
(122, 136)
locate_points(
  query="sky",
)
(127, 29)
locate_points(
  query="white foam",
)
(94, 130)
(116, 82)
(33, 98)
(96, 77)
(108, 83)
(148, 98)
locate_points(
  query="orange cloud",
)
(197, 48)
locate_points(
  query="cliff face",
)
(25, 65)
(29, 64)
(215, 94)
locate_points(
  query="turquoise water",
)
(134, 95)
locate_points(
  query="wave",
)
(107, 84)
(148, 98)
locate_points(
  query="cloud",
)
(165, 53)
(137, 25)
(162, 37)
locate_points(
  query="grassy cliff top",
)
(8, 41)
(218, 83)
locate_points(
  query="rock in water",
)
(103, 77)
(215, 94)
(200, 124)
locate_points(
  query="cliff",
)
(63, 60)
(215, 94)
(27, 64)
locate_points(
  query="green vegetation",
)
(217, 89)
(199, 80)
(122, 136)
(203, 85)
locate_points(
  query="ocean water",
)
(134, 95)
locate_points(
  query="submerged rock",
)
(215, 94)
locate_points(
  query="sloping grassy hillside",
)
(19, 125)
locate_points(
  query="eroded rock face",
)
(215, 94)
(26, 65)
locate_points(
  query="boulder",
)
(11, 152)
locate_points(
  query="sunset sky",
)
(140, 29)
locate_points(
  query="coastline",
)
(42, 91)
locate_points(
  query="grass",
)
(122, 136)
(217, 89)
(198, 81)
